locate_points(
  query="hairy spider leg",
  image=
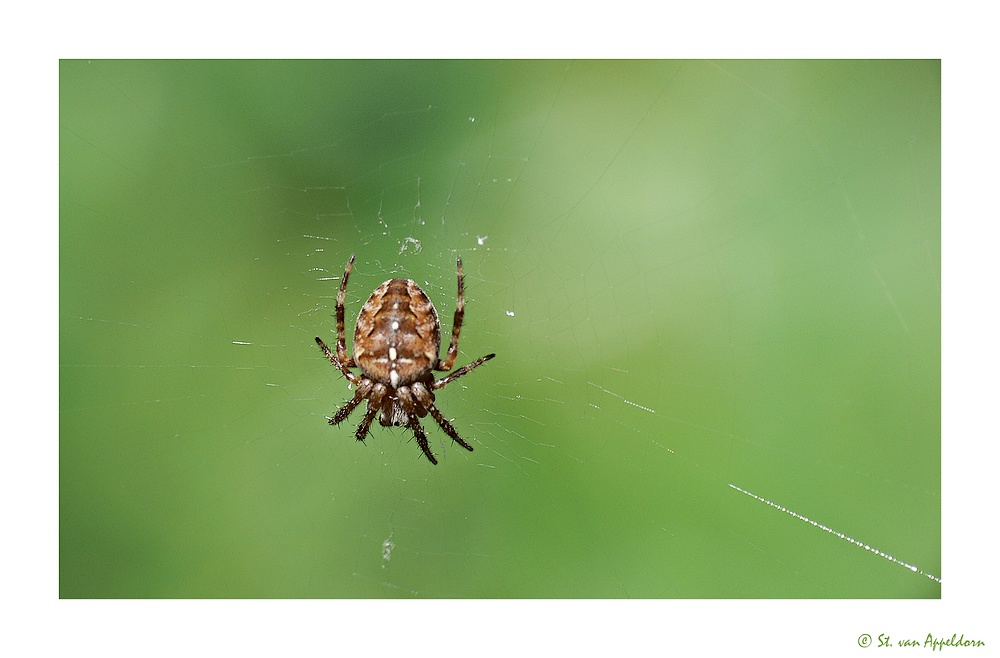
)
(464, 370)
(418, 432)
(456, 327)
(375, 400)
(366, 422)
(351, 377)
(341, 338)
(362, 385)
(448, 428)
(346, 410)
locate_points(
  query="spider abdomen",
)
(398, 336)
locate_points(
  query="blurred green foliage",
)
(693, 273)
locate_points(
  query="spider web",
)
(700, 297)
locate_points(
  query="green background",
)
(700, 278)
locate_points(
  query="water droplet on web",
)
(411, 243)
(387, 547)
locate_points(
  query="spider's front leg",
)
(448, 428)
(363, 389)
(378, 393)
(418, 432)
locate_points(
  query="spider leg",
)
(351, 377)
(456, 327)
(366, 422)
(464, 370)
(448, 428)
(377, 395)
(418, 432)
(341, 338)
(347, 409)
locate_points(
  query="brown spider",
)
(397, 343)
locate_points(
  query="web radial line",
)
(836, 533)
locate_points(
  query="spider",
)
(397, 344)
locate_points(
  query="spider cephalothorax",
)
(397, 343)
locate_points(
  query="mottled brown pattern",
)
(397, 343)
(398, 315)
